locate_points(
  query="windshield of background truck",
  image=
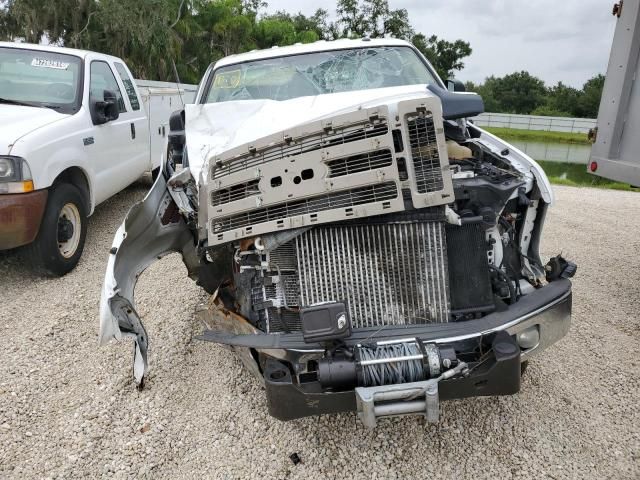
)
(40, 79)
(293, 76)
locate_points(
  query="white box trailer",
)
(160, 100)
(616, 149)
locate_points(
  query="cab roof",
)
(300, 48)
(51, 48)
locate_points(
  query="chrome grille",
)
(328, 138)
(360, 163)
(388, 274)
(341, 199)
(424, 152)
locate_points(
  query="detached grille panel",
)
(314, 172)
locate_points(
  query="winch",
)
(384, 363)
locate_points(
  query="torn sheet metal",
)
(151, 229)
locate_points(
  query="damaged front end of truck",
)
(378, 257)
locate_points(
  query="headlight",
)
(15, 175)
(7, 168)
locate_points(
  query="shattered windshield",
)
(284, 78)
(40, 79)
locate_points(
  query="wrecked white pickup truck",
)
(366, 246)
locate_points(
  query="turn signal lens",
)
(17, 187)
(593, 166)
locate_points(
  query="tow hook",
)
(402, 399)
(558, 267)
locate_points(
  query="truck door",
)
(140, 116)
(118, 152)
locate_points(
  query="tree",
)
(589, 102)
(517, 92)
(351, 18)
(284, 29)
(397, 24)
(547, 111)
(372, 18)
(491, 104)
(522, 93)
(446, 57)
(151, 34)
(561, 101)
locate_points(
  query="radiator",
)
(387, 274)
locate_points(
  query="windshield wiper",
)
(17, 102)
(50, 105)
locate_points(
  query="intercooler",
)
(386, 273)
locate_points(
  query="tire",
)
(60, 241)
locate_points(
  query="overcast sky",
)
(556, 40)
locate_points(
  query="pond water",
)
(554, 152)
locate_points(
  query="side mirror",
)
(457, 104)
(454, 85)
(103, 111)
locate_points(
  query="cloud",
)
(556, 40)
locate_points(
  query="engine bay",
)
(448, 262)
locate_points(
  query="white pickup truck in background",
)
(74, 130)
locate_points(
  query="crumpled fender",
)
(152, 228)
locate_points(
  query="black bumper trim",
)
(531, 304)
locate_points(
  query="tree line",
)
(151, 34)
(521, 92)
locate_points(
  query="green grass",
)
(539, 136)
(575, 175)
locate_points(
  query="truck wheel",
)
(58, 246)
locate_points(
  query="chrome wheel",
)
(69, 229)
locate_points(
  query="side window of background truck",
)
(128, 86)
(102, 79)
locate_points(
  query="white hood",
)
(214, 128)
(17, 121)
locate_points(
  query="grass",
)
(575, 175)
(539, 135)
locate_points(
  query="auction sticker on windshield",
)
(48, 63)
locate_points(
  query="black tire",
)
(46, 254)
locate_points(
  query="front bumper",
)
(288, 399)
(20, 217)
(155, 227)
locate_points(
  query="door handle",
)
(133, 131)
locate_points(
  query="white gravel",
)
(68, 408)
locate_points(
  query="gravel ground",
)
(69, 409)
